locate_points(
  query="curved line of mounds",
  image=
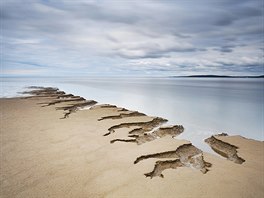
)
(186, 155)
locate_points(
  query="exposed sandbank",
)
(45, 156)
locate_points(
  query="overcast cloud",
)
(107, 37)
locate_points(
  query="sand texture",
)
(55, 149)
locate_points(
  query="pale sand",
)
(45, 156)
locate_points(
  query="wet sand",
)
(43, 155)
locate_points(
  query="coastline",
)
(44, 155)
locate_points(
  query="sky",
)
(137, 38)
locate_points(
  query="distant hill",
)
(217, 76)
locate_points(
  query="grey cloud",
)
(224, 21)
(257, 66)
(234, 68)
(182, 35)
(234, 14)
(224, 50)
(100, 13)
(250, 12)
(202, 49)
(153, 52)
(25, 63)
(153, 55)
(92, 34)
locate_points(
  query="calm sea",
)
(204, 106)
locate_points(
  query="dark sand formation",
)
(169, 130)
(60, 97)
(43, 96)
(75, 99)
(146, 126)
(159, 133)
(41, 91)
(75, 107)
(123, 109)
(66, 96)
(123, 115)
(187, 154)
(224, 149)
(104, 106)
(39, 88)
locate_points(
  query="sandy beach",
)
(49, 150)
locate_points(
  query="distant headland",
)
(216, 76)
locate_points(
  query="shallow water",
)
(203, 106)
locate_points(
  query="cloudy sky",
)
(144, 37)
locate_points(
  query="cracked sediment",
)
(140, 138)
(123, 115)
(66, 96)
(160, 166)
(172, 131)
(224, 149)
(75, 99)
(61, 97)
(75, 107)
(146, 125)
(104, 106)
(42, 91)
(187, 154)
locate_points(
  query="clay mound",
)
(224, 149)
(72, 99)
(169, 130)
(123, 115)
(146, 125)
(141, 137)
(75, 107)
(43, 91)
(104, 106)
(187, 154)
(60, 97)
(66, 96)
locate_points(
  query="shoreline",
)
(220, 112)
(53, 146)
(192, 129)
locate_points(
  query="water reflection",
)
(202, 106)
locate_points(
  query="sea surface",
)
(204, 106)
